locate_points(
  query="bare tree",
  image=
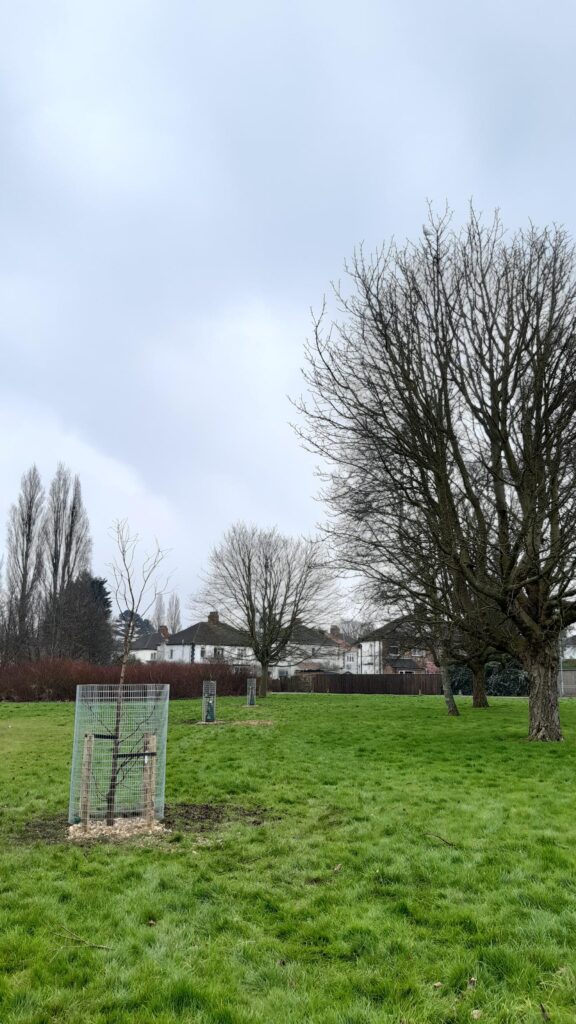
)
(174, 617)
(136, 591)
(265, 585)
(443, 402)
(67, 544)
(159, 616)
(24, 566)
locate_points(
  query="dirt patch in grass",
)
(204, 817)
(177, 818)
(46, 830)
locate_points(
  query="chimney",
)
(335, 631)
(213, 618)
(163, 630)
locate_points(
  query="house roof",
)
(401, 628)
(219, 634)
(148, 642)
(401, 664)
(215, 634)
(308, 637)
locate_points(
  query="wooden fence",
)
(328, 682)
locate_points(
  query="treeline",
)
(50, 679)
(51, 606)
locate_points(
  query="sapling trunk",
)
(115, 762)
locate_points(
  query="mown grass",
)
(398, 848)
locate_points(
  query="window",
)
(153, 656)
(202, 653)
(171, 654)
(394, 650)
(418, 652)
(219, 653)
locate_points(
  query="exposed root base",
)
(543, 737)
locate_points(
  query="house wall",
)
(206, 654)
(373, 656)
(150, 655)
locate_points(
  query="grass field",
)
(386, 856)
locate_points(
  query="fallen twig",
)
(434, 835)
(85, 942)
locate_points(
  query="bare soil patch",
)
(182, 817)
(204, 817)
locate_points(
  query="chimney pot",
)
(213, 618)
(334, 630)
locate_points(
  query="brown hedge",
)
(57, 678)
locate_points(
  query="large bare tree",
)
(266, 585)
(24, 567)
(443, 401)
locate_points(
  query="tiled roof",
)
(307, 637)
(398, 629)
(213, 634)
(148, 642)
(401, 664)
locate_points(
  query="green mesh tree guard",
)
(208, 701)
(251, 692)
(119, 757)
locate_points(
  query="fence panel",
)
(327, 682)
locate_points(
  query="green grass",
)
(343, 907)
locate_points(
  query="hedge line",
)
(57, 678)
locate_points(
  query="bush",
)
(506, 680)
(57, 678)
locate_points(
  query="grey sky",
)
(180, 182)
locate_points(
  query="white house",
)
(151, 646)
(216, 641)
(311, 650)
(206, 642)
(393, 648)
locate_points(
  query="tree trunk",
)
(479, 698)
(447, 691)
(114, 768)
(263, 682)
(542, 667)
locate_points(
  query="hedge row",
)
(57, 678)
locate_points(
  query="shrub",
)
(502, 680)
(57, 678)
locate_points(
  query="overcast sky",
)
(180, 182)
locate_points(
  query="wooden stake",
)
(153, 759)
(87, 755)
(149, 778)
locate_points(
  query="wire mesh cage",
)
(208, 701)
(251, 692)
(119, 757)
